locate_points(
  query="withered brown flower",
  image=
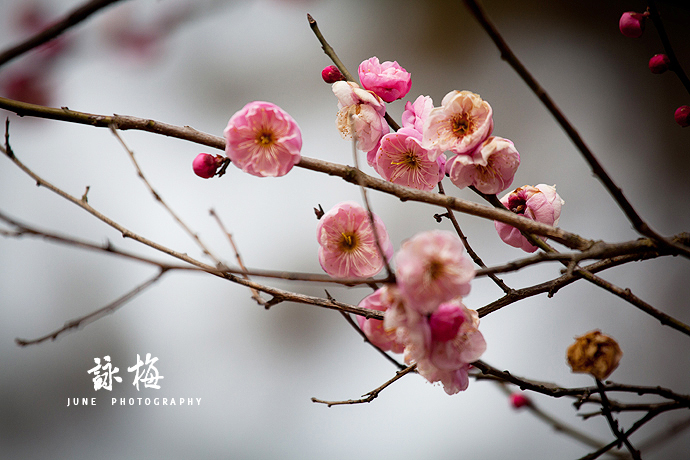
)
(594, 353)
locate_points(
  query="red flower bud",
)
(331, 74)
(205, 165)
(518, 400)
(631, 24)
(682, 116)
(659, 63)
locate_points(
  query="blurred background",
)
(198, 62)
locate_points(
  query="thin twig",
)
(666, 43)
(159, 199)
(255, 294)
(475, 257)
(370, 396)
(75, 17)
(354, 325)
(507, 54)
(93, 316)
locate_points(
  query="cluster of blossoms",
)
(424, 315)
(632, 24)
(414, 156)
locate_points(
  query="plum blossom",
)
(432, 268)
(659, 63)
(263, 140)
(540, 203)
(682, 116)
(442, 344)
(347, 242)
(367, 110)
(462, 122)
(490, 168)
(373, 328)
(416, 113)
(387, 80)
(401, 159)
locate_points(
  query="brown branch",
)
(72, 19)
(613, 424)
(93, 316)
(507, 54)
(348, 173)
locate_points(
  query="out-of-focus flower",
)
(490, 168)
(448, 361)
(367, 111)
(432, 268)
(631, 23)
(331, 74)
(445, 322)
(263, 140)
(462, 122)
(519, 400)
(401, 159)
(373, 328)
(540, 203)
(347, 242)
(387, 79)
(416, 113)
(206, 165)
(594, 353)
(659, 63)
(26, 86)
(682, 116)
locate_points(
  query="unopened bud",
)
(594, 353)
(518, 400)
(205, 165)
(682, 116)
(659, 63)
(445, 322)
(331, 74)
(631, 24)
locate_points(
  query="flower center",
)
(264, 138)
(461, 125)
(410, 159)
(348, 241)
(517, 205)
(435, 269)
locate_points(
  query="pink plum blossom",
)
(206, 165)
(490, 168)
(388, 80)
(401, 159)
(540, 203)
(373, 328)
(442, 344)
(416, 113)
(367, 111)
(462, 122)
(347, 242)
(263, 140)
(519, 400)
(432, 268)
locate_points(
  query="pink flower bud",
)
(682, 116)
(331, 74)
(387, 80)
(519, 400)
(631, 24)
(445, 322)
(205, 165)
(659, 63)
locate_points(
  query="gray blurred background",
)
(255, 370)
